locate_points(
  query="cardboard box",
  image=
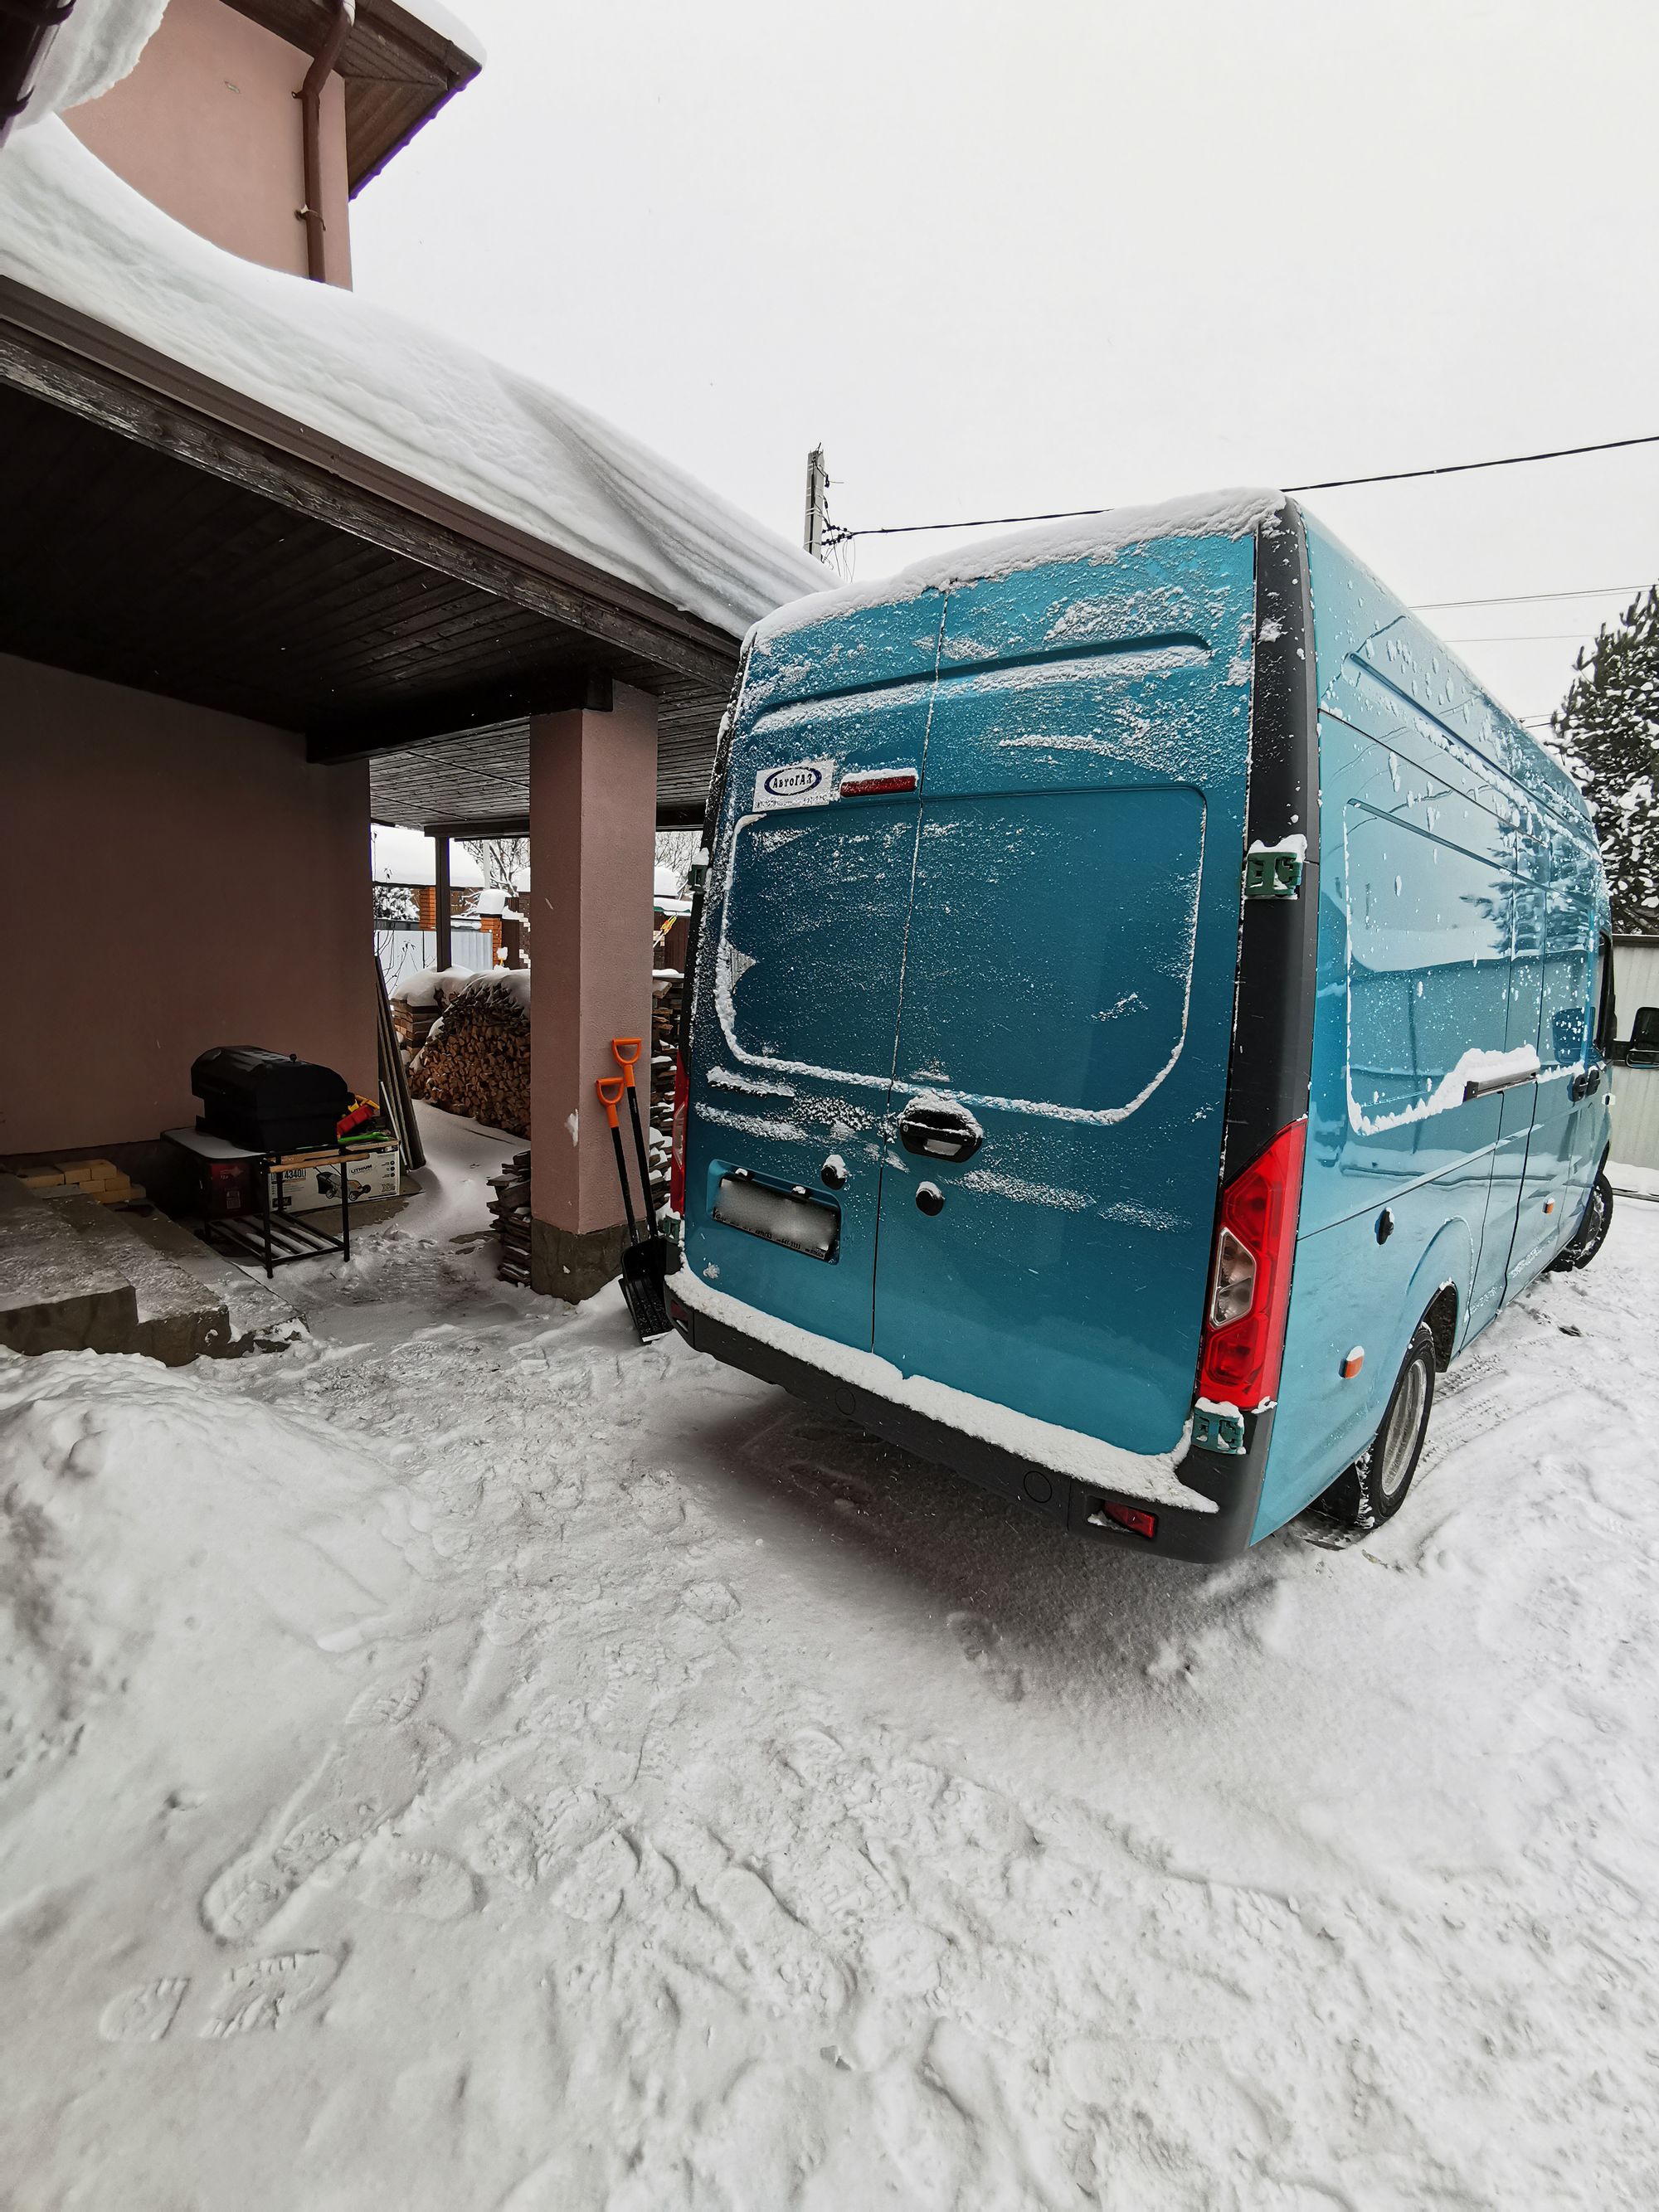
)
(298, 1186)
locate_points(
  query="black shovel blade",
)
(643, 1278)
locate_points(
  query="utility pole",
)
(817, 516)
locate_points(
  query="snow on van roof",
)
(1095, 538)
(408, 396)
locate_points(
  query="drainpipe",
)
(310, 97)
(27, 28)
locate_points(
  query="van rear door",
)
(1048, 1199)
(807, 901)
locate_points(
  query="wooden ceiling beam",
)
(451, 714)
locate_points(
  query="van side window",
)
(1432, 930)
(1569, 952)
(1606, 1012)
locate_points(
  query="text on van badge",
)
(797, 783)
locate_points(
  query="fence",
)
(1634, 1090)
(404, 951)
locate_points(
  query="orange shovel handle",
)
(628, 1050)
(609, 1088)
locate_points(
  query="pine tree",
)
(1607, 729)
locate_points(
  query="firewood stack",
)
(667, 990)
(511, 1208)
(476, 1060)
(420, 998)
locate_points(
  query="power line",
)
(1530, 598)
(1329, 484)
(1537, 637)
(1462, 468)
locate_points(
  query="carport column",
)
(592, 845)
(442, 902)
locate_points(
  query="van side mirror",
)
(1642, 1049)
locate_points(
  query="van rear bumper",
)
(1234, 1483)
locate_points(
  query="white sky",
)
(1002, 259)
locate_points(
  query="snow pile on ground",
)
(576, 1776)
(408, 396)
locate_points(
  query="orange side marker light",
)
(1353, 1363)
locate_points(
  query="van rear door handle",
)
(1584, 1084)
(939, 1131)
(1492, 1083)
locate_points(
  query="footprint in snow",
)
(591, 1887)
(980, 1645)
(782, 1956)
(397, 1878)
(383, 1705)
(711, 1601)
(365, 1780)
(145, 2014)
(267, 1992)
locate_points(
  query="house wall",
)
(208, 127)
(176, 878)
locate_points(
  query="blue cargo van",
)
(1148, 1015)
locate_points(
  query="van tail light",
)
(1250, 1277)
(676, 1140)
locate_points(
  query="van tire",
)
(1373, 1488)
(1592, 1231)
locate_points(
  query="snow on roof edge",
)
(98, 45)
(398, 855)
(1229, 514)
(448, 25)
(403, 393)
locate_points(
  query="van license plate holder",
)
(794, 1218)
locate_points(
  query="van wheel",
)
(1592, 1229)
(1373, 1488)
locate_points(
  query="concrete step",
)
(261, 1320)
(179, 1317)
(57, 1293)
(76, 1276)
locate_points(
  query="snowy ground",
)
(468, 1761)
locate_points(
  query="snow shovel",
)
(642, 1268)
(628, 1050)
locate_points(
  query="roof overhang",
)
(399, 70)
(186, 539)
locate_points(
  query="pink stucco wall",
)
(592, 845)
(175, 879)
(207, 127)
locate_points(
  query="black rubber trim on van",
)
(711, 823)
(1270, 1063)
(1182, 1533)
(1268, 1073)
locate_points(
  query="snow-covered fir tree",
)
(1607, 731)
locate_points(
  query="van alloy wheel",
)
(1373, 1488)
(1592, 1229)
